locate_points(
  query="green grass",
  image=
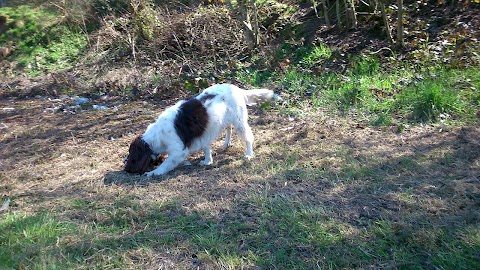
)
(90, 234)
(381, 96)
(41, 43)
(381, 93)
(306, 56)
(31, 240)
(280, 232)
(254, 77)
(445, 91)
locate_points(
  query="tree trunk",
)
(254, 22)
(339, 18)
(347, 14)
(250, 23)
(325, 12)
(353, 14)
(385, 21)
(400, 43)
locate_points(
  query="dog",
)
(192, 125)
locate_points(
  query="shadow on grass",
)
(122, 178)
(35, 136)
(415, 210)
(125, 229)
(418, 210)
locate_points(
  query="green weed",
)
(307, 56)
(311, 56)
(254, 77)
(364, 65)
(382, 119)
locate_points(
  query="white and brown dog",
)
(191, 125)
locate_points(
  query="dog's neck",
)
(158, 137)
(149, 139)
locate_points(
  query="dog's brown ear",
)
(139, 156)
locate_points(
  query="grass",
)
(386, 96)
(306, 56)
(40, 41)
(281, 232)
(103, 234)
(320, 195)
(380, 94)
(381, 97)
(331, 187)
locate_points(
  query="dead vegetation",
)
(70, 165)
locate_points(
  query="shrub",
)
(198, 38)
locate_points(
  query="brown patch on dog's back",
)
(191, 121)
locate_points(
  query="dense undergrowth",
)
(189, 48)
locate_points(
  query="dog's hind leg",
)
(249, 142)
(208, 156)
(228, 138)
(245, 132)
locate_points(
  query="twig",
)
(9, 87)
(179, 46)
(86, 31)
(384, 48)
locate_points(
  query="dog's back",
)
(229, 92)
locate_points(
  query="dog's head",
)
(140, 156)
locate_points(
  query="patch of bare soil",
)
(359, 175)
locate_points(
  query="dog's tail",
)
(253, 96)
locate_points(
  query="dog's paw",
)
(226, 146)
(248, 157)
(206, 162)
(149, 174)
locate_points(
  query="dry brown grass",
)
(358, 175)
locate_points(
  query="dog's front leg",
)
(208, 156)
(172, 161)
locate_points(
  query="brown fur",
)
(139, 158)
(191, 121)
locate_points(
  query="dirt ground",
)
(360, 173)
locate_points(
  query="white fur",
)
(226, 110)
